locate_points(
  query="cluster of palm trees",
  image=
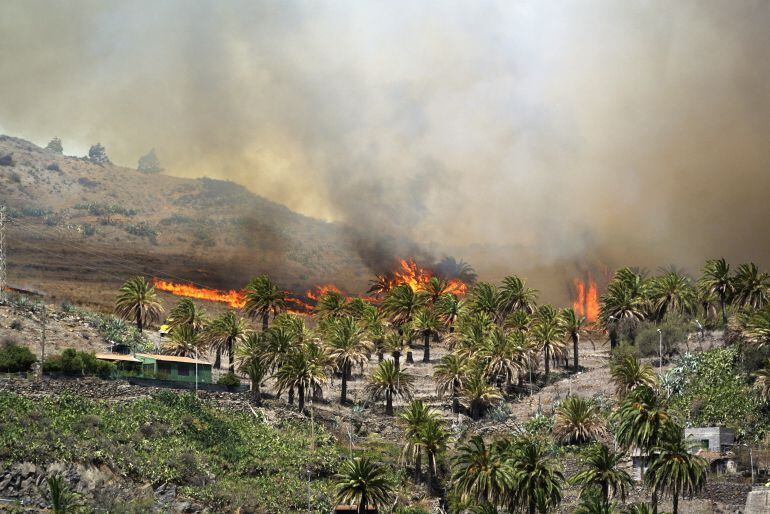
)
(632, 296)
(521, 473)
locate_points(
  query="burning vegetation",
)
(408, 273)
(586, 302)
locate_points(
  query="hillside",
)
(77, 226)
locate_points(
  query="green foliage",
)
(178, 438)
(141, 229)
(410, 510)
(674, 332)
(14, 358)
(230, 380)
(74, 362)
(713, 392)
(103, 209)
(62, 499)
(539, 424)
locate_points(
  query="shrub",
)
(86, 182)
(14, 357)
(53, 167)
(622, 351)
(7, 160)
(55, 145)
(674, 332)
(14, 177)
(16, 324)
(149, 163)
(89, 229)
(98, 155)
(74, 362)
(229, 380)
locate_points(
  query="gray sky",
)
(635, 131)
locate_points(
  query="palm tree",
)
(515, 296)
(184, 342)
(486, 299)
(601, 468)
(224, 334)
(625, 299)
(502, 355)
(629, 373)
(449, 309)
(547, 333)
(753, 327)
(716, 280)
(478, 393)
(401, 304)
(347, 348)
(249, 354)
(427, 324)
(450, 268)
(414, 416)
(578, 421)
(331, 305)
(517, 321)
(752, 287)
(573, 326)
(187, 313)
(138, 301)
(672, 292)
(537, 481)
(481, 473)
(390, 381)
(449, 375)
(763, 380)
(642, 421)
(433, 437)
(394, 344)
(304, 368)
(381, 284)
(374, 329)
(363, 482)
(263, 298)
(435, 288)
(676, 471)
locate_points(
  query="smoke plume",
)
(517, 133)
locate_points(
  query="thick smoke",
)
(525, 134)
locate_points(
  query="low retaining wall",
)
(174, 384)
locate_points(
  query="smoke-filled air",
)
(512, 134)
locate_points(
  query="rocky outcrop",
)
(758, 502)
(25, 486)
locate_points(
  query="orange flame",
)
(233, 298)
(418, 278)
(586, 302)
(321, 290)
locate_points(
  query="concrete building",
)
(714, 439)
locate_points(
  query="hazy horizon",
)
(632, 132)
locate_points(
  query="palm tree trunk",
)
(418, 465)
(139, 323)
(532, 506)
(426, 345)
(676, 502)
(430, 472)
(613, 338)
(605, 493)
(318, 393)
(397, 360)
(344, 390)
(301, 397)
(230, 357)
(455, 398)
(361, 506)
(218, 359)
(409, 357)
(265, 320)
(654, 501)
(575, 358)
(291, 395)
(724, 311)
(256, 394)
(388, 402)
(547, 362)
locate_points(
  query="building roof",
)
(116, 357)
(172, 358)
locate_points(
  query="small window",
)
(183, 370)
(704, 443)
